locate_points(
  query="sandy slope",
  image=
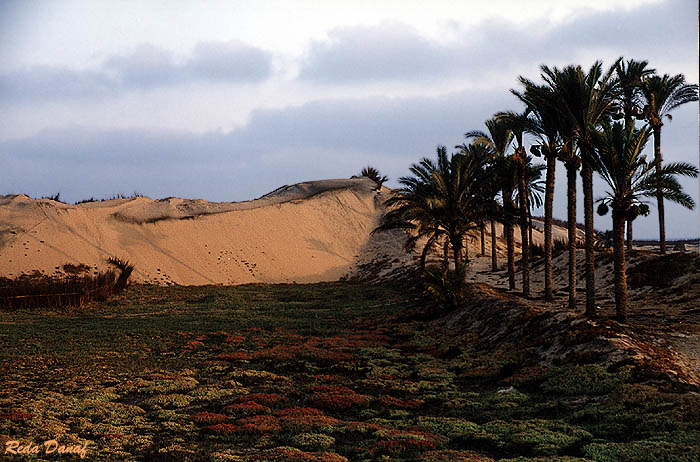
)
(307, 232)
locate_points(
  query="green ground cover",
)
(322, 372)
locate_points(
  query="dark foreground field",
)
(323, 372)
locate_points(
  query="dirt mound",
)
(561, 337)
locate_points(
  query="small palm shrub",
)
(447, 286)
(374, 175)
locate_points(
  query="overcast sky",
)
(229, 100)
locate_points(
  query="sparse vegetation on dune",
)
(116, 196)
(374, 175)
(75, 287)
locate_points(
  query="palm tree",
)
(374, 175)
(629, 75)
(662, 95)
(440, 202)
(620, 162)
(519, 124)
(534, 187)
(490, 211)
(541, 101)
(586, 99)
(498, 140)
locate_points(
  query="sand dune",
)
(307, 232)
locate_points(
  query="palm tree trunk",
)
(494, 247)
(446, 256)
(524, 227)
(510, 243)
(629, 235)
(483, 239)
(428, 247)
(571, 225)
(510, 236)
(457, 252)
(587, 176)
(529, 222)
(659, 192)
(548, 208)
(466, 248)
(620, 276)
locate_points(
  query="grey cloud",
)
(228, 62)
(49, 83)
(322, 139)
(146, 67)
(388, 51)
(395, 52)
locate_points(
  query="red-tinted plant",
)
(208, 418)
(246, 408)
(236, 356)
(401, 446)
(16, 416)
(297, 412)
(264, 398)
(260, 424)
(390, 401)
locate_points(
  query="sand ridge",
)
(307, 232)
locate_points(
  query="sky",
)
(228, 100)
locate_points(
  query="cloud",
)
(392, 51)
(49, 83)
(146, 67)
(329, 138)
(322, 139)
(230, 61)
(388, 51)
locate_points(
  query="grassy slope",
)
(319, 372)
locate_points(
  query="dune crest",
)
(307, 232)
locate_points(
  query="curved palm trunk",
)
(659, 193)
(494, 247)
(571, 225)
(548, 206)
(483, 239)
(629, 235)
(524, 228)
(587, 174)
(424, 254)
(620, 275)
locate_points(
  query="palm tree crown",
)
(441, 201)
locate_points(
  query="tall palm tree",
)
(620, 162)
(519, 124)
(534, 187)
(440, 202)
(498, 141)
(541, 101)
(662, 95)
(489, 209)
(629, 75)
(586, 99)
